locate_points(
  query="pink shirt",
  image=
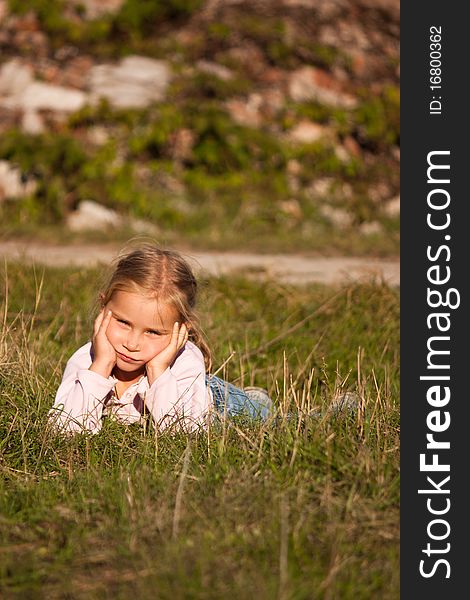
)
(178, 395)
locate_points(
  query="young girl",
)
(148, 355)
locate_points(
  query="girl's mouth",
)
(125, 358)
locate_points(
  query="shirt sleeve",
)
(81, 396)
(179, 396)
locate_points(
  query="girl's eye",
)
(152, 332)
(122, 322)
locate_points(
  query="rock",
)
(309, 83)
(307, 132)
(141, 226)
(392, 207)
(32, 42)
(45, 96)
(273, 76)
(3, 10)
(215, 69)
(75, 72)
(325, 10)
(13, 185)
(135, 82)
(372, 228)
(98, 135)
(358, 63)
(294, 167)
(182, 143)
(258, 107)
(273, 101)
(250, 57)
(320, 187)
(246, 112)
(15, 77)
(66, 52)
(27, 22)
(352, 146)
(93, 216)
(337, 216)
(379, 192)
(391, 7)
(50, 72)
(169, 183)
(18, 90)
(293, 171)
(98, 8)
(342, 154)
(292, 208)
(32, 123)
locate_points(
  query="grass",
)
(292, 509)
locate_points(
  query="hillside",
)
(266, 125)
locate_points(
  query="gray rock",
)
(340, 218)
(98, 135)
(93, 216)
(18, 90)
(307, 132)
(246, 112)
(309, 83)
(98, 8)
(12, 184)
(3, 9)
(135, 82)
(45, 96)
(14, 77)
(371, 228)
(144, 227)
(392, 207)
(215, 69)
(32, 122)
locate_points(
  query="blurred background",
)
(263, 125)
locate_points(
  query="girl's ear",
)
(101, 298)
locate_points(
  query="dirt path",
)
(287, 268)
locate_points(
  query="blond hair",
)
(164, 275)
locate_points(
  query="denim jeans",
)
(232, 401)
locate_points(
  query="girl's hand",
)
(104, 353)
(159, 363)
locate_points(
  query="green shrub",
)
(340, 119)
(49, 12)
(207, 86)
(103, 113)
(378, 118)
(55, 160)
(110, 34)
(152, 140)
(139, 17)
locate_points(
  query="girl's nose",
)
(132, 342)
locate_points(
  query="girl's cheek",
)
(113, 333)
(160, 345)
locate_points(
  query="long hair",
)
(165, 276)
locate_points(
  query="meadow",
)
(295, 508)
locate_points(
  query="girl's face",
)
(140, 328)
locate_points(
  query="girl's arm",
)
(179, 395)
(81, 396)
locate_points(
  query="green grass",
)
(296, 509)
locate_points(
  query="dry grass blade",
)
(179, 492)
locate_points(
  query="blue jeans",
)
(232, 401)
